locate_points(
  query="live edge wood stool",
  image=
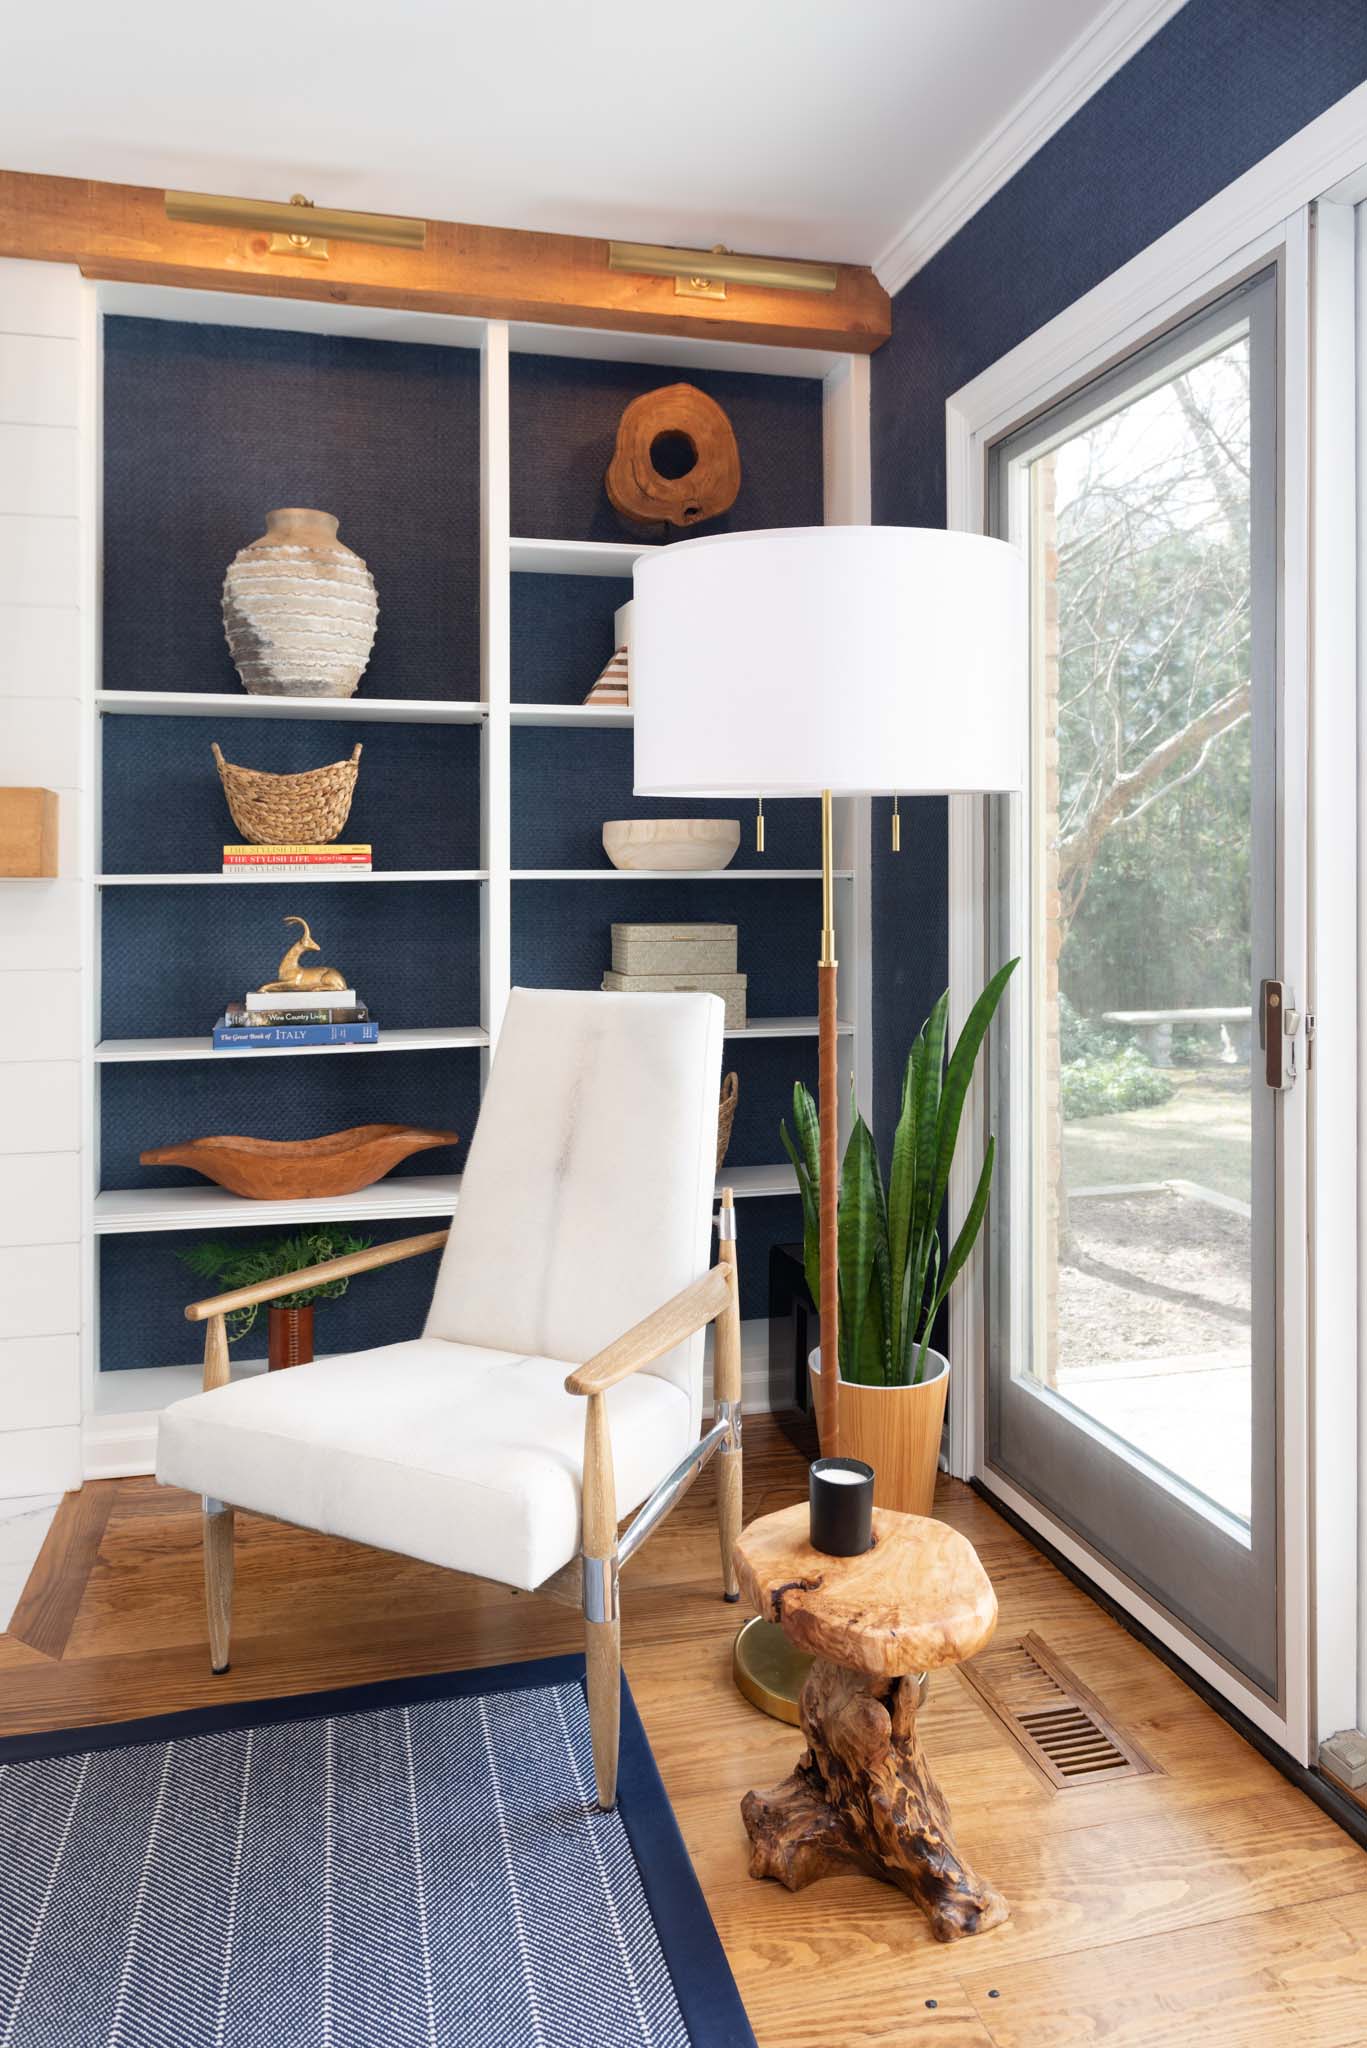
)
(862, 1796)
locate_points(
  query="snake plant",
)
(893, 1276)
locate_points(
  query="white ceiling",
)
(796, 127)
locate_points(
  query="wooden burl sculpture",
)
(707, 475)
(862, 1796)
(292, 976)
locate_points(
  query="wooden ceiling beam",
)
(121, 232)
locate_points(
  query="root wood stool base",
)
(862, 1797)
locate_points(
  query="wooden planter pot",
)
(897, 1431)
(291, 1337)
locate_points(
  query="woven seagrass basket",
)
(726, 1115)
(289, 810)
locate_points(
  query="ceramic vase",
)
(290, 1337)
(299, 609)
(896, 1430)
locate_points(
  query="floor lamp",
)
(829, 661)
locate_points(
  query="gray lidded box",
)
(730, 987)
(674, 949)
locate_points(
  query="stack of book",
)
(298, 863)
(275, 1017)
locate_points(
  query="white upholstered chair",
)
(558, 1383)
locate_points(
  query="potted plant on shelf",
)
(894, 1278)
(290, 1328)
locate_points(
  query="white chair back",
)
(588, 1189)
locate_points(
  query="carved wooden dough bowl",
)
(282, 1170)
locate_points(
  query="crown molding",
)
(1096, 56)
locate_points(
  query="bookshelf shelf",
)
(747, 1182)
(121, 1210)
(118, 1210)
(143, 1390)
(226, 704)
(675, 875)
(784, 1027)
(571, 717)
(112, 1050)
(303, 881)
(577, 557)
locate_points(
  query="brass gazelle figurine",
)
(292, 975)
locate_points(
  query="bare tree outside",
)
(1142, 551)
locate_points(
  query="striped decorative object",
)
(299, 609)
(614, 684)
(412, 1864)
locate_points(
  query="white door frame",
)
(1265, 214)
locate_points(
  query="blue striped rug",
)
(420, 1862)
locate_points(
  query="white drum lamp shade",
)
(856, 659)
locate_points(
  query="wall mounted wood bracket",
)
(28, 834)
(121, 232)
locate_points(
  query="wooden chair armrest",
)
(317, 1276)
(680, 1317)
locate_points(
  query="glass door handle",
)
(1278, 1023)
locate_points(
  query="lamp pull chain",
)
(896, 826)
(759, 827)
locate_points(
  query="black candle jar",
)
(840, 1491)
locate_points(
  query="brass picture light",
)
(299, 229)
(705, 273)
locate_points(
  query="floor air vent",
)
(1055, 1723)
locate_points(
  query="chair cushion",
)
(586, 1199)
(467, 1458)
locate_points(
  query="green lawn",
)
(1203, 1134)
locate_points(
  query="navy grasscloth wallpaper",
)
(563, 424)
(208, 428)
(1220, 86)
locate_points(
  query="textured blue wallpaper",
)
(567, 784)
(416, 801)
(209, 428)
(174, 956)
(144, 1289)
(563, 425)
(562, 634)
(1220, 85)
(146, 1103)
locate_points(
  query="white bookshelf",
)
(222, 704)
(211, 1208)
(571, 716)
(576, 557)
(440, 1039)
(673, 875)
(121, 1406)
(376, 875)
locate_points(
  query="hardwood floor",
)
(1211, 1906)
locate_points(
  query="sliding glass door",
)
(1132, 1381)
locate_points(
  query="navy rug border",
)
(703, 1984)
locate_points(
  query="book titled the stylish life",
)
(317, 863)
(261, 1037)
(295, 854)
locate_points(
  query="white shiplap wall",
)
(45, 546)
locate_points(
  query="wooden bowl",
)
(686, 845)
(292, 1170)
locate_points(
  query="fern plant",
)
(894, 1278)
(232, 1264)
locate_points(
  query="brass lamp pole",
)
(828, 1118)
